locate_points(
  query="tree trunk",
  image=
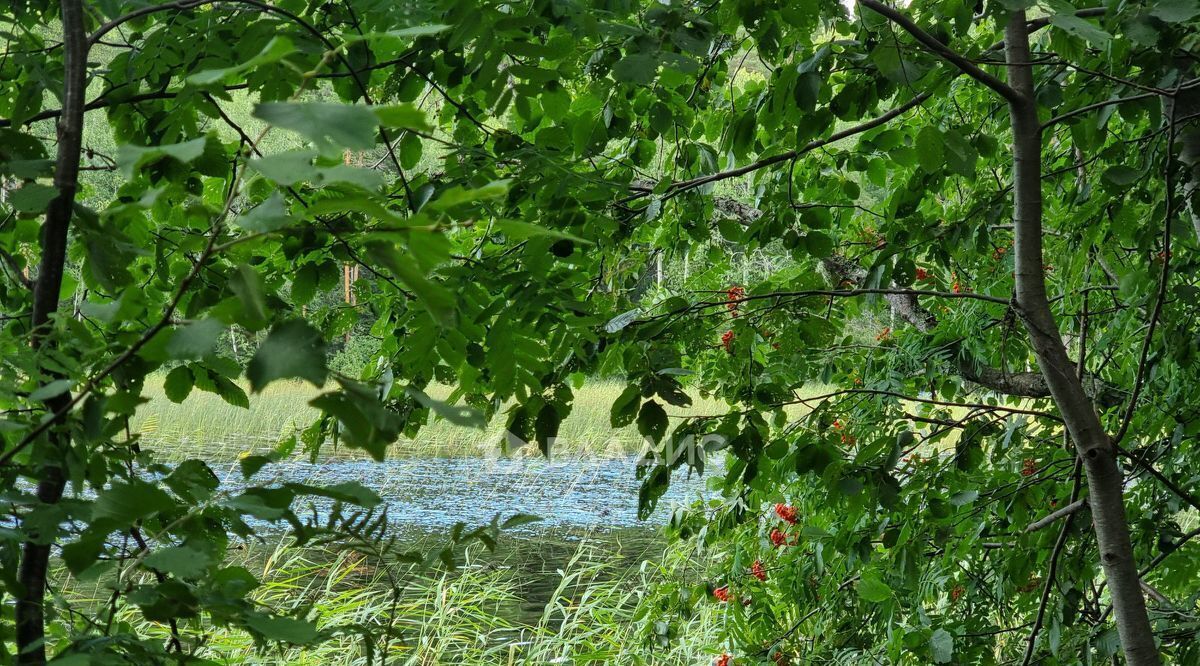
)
(1105, 493)
(35, 555)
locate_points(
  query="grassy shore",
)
(473, 616)
(206, 425)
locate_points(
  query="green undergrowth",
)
(589, 609)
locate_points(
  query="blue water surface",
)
(436, 493)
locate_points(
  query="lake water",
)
(590, 502)
(433, 494)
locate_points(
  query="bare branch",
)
(1049, 519)
(1053, 568)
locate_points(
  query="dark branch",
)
(682, 186)
(907, 308)
(946, 53)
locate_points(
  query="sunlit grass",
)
(205, 424)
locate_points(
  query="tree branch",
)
(946, 53)
(1049, 519)
(674, 189)
(35, 552)
(906, 307)
(1059, 544)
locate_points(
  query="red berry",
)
(733, 297)
(787, 512)
(725, 659)
(778, 537)
(922, 274)
(1028, 467)
(722, 593)
(727, 341)
(758, 571)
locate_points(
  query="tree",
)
(530, 162)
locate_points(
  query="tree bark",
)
(1105, 493)
(35, 552)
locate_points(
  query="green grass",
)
(206, 425)
(463, 617)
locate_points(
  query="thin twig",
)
(1051, 575)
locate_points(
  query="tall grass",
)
(467, 617)
(206, 425)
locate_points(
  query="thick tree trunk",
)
(35, 555)
(1105, 493)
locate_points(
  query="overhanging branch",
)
(906, 307)
(945, 52)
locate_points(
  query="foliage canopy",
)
(503, 175)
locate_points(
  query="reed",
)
(465, 617)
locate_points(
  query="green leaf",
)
(624, 408)
(818, 244)
(287, 168)
(178, 384)
(364, 423)
(195, 340)
(284, 629)
(277, 49)
(1080, 27)
(231, 392)
(434, 298)
(805, 94)
(963, 497)
(636, 68)
(331, 127)
(347, 491)
(872, 589)
(941, 644)
(127, 503)
(929, 149)
(545, 427)
(397, 39)
(1120, 176)
(404, 116)
(269, 215)
(652, 421)
(518, 519)
(410, 150)
(458, 415)
(1175, 11)
(293, 349)
(520, 230)
(742, 135)
(368, 205)
(959, 154)
(51, 390)
(32, 197)
(179, 561)
(456, 196)
(248, 286)
(132, 158)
